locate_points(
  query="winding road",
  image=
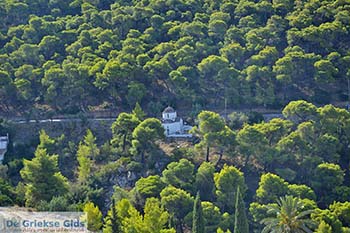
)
(267, 117)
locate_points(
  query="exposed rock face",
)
(126, 179)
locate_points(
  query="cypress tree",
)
(241, 221)
(112, 222)
(198, 220)
(114, 218)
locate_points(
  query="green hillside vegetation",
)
(239, 173)
(70, 56)
(290, 173)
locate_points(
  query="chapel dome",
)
(168, 110)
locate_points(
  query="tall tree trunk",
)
(207, 155)
(220, 157)
(247, 160)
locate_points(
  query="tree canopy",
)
(69, 56)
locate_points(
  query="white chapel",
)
(173, 125)
(4, 141)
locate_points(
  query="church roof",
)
(168, 110)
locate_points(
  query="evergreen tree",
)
(138, 112)
(112, 222)
(324, 228)
(211, 128)
(198, 220)
(226, 182)
(6, 193)
(114, 219)
(90, 142)
(85, 163)
(145, 136)
(241, 221)
(123, 127)
(94, 216)
(87, 152)
(154, 219)
(46, 142)
(42, 178)
(178, 203)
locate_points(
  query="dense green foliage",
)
(94, 216)
(302, 162)
(69, 56)
(76, 56)
(241, 220)
(42, 178)
(198, 220)
(289, 218)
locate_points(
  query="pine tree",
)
(87, 152)
(94, 217)
(85, 163)
(123, 127)
(42, 178)
(198, 220)
(138, 112)
(241, 221)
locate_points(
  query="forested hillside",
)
(238, 173)
(290, 174)
(68, 56)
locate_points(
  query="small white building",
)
(4, 141)
(173, 125)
